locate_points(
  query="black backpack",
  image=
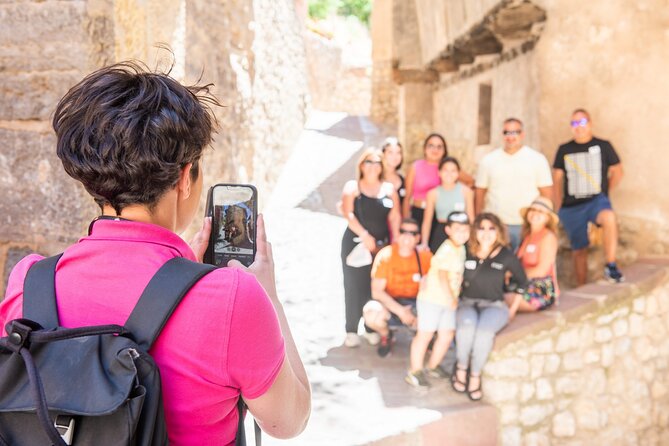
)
(90, 385)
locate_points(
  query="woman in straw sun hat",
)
(537, 254)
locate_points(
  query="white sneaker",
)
(373, 338)
(352, 340)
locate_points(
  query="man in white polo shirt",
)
(509, 178)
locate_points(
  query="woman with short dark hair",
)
(134, 139)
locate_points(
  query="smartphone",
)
(233, 209)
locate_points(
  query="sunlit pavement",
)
(357, 397)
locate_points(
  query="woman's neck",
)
(537, 229)
(485, 250)
(370, 182)
(449, 186)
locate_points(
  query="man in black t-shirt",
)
(587, 168)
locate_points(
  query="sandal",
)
(458, 385)
(474, 394)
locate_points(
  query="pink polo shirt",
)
(222, 340)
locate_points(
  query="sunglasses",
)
(406, 231)
(579, 123)
(482, 228)
(371, 162)
(512, 132)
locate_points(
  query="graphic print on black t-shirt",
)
(586, 169)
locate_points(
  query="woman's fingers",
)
(236, 264)
(200, 240)
(261, 238)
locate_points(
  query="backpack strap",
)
(161, 297)
(39, 293)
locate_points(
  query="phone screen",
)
(234, 213)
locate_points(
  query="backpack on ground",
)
(90, 385)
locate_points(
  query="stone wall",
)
(592, 371)
(252, 50)
(333, 84)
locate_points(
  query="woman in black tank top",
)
(371, 207)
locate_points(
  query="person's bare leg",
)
(440, 347)
(377, 321)
(580, 258)
(418, 349)
(607, 220)
(513, 302)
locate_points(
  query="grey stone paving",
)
(357, 397)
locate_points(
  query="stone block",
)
(603, 334)
(572, 361)
(568, 340)
(46, 207)
(543, 346)
(509, 414)
(508, 368)
(592, 356)
(644, 349)
(526, 392)
(587, 414)
(663, 302)
(655, 329)
(43, 36)
(658, 390)
(622, 346)
(564, 424)
(552, 364)
(14, 255)
(570, 384)
(537, 438)
(535, 414)
(606, 319)
(544, 389)
(33, 96)
(498, 391)
(652, 306)
(586, 336)
(639, 305)
(511, 436)
(620, 327)
(660, 416)
(607, 355)
(621, 312)
(537, 366)
(648, 373)
(595, 381)
(636, 325)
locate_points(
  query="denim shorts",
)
(575, 219)
(434, 317)
(394, 320)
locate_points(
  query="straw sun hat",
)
(541, 204)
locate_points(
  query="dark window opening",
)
(485, 113)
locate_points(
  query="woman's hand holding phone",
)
(200, 240)
(263, 265)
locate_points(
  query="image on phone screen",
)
(233, 218)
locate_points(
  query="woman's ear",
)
(185, 181)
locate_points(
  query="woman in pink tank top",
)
(537, 254)
(423, 176)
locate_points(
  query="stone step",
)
(439, 416)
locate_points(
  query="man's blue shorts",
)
(575, 219)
